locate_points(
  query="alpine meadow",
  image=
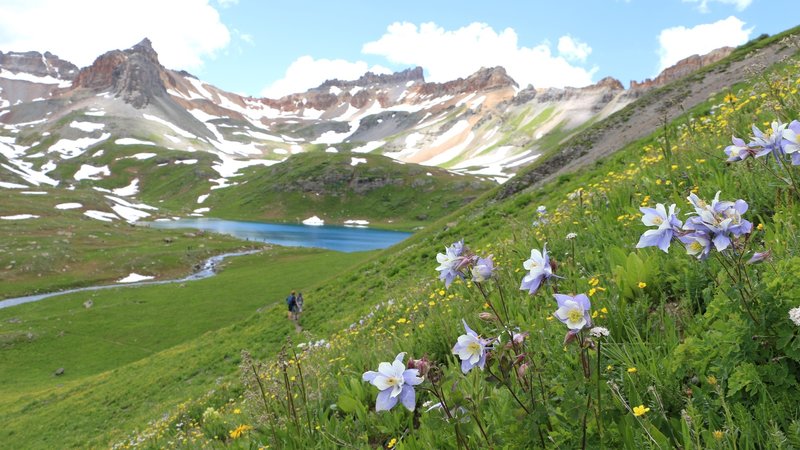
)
(591, 268)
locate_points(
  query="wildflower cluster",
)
(781, 140)
(718, 223)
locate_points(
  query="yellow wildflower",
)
(631, 369)
(642, 285)
(238, 431)
(760, 227)
(402, 320)
(391, 443)
(712, 380)
(640, 410)
(718, 434)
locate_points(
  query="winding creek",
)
(343, 239)
(209, 269)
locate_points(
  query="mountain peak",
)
(370, 78)
(133, 74)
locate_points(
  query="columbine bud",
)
(759, 257)
(487, 316)
(522, 370)
(570, 337)
(422, 365)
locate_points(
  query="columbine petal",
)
(385, 401)
(408, 398)
(369, 376)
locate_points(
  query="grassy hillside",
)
(343, 186)
(699, 353)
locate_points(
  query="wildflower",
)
(571, 236)
(632, 370)
(697, 244)
(483, 269)
(794, 315)
(541, 210)
(666, 223)
(539, 269)
(471, 348)
(720, 220)
(640, 410)
(391, 443)
(769, 141)
(712, 380)
(718, 434)
(423, 365)
(791, 141)
(573, 311)
(642, 285)
(451, 263)
(394, 382)
(599, 332)
(739, 151)
(238, 431)
(759, 257)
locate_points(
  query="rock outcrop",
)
(37, 64)
(683, 68)
(133, 74)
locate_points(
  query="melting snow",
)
(131, 141)
(356, 161)
(172, 138)
(201, 210)
(34, 192)
(19, 217)
(187, 162)
(127, 191)
(69, 148)
(100, 215)
(331, 150)
(202, 198)
(368, 147)
(356, 223)
(170, 125)
(98, 154)
(87, 172)
(279, 151)
(134, 277)
(68, 206)
(314, 221)
(34, 79)
(3, 184)
(87, 126)
(95, 113)
(142, 156)
(335, 90)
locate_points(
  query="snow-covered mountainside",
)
(51, 112)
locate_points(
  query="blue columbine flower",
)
(769, 141)
(471, 349)
(697, 244)
(395, 382)
(720, 220)
(791, 142)
(666, 222)
(452, 262)
(739, 151)
(573, 311)
(539, 270)
(483, 269)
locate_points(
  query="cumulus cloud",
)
(702, 5)
(450, 54)
(183, 32)
(680, 42)
(306, 72)
(573, 49)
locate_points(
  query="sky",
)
(272, 48)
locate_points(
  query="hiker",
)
(291, 303)
(299, 302)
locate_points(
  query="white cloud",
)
(447, 54)
(572, 49)
(703, 4)
(680, 42)
(306, 72)
(183, 32)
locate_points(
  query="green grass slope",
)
(342, 186)
(700, 354)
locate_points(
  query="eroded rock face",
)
(683, 68)
(133, 74)
(37, 64)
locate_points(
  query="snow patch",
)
(131, 141)
(20, 217)
(202, 198)
(87, 126)
(22, 76)
(68, 206)
(331, 150)
(134, 277)
(3, 184)
(356, 161)
(170, 125)
(368, 147)
(70, 148)
(100, 215)
(33, 193)
(142, 156)
(187, 162)
(314, 221)
(87, 172)
(127, 191)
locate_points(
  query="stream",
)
(209, 269)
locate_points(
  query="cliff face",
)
(135, 74)
(37, 64)
(683, 68)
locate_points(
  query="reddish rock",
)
(683, 68)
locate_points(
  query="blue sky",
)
(271, 48)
